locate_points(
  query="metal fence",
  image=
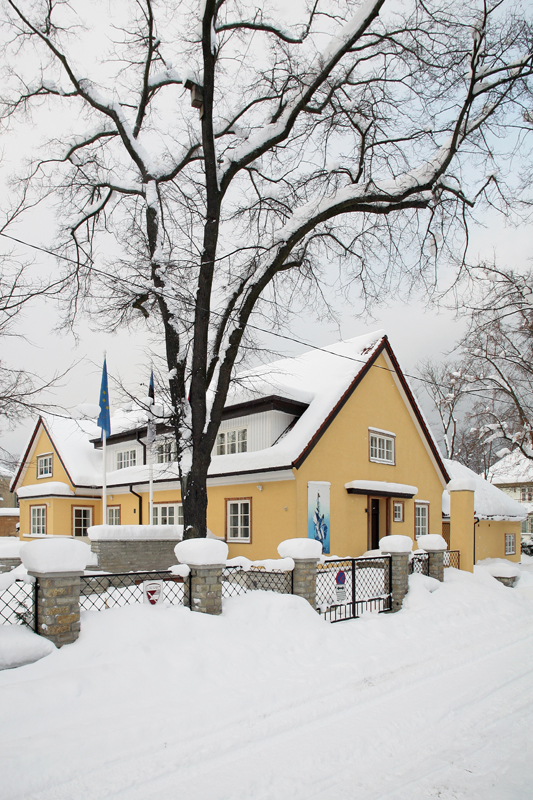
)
(236, 580)
(346, 588)
(419, 564)
(98, 592)
(18, 603)
(452, 558)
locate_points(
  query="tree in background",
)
(226, 156)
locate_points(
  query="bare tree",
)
(333, 136)
(448, 388)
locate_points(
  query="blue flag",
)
(151, 432)
(104, 421)
(151, 390)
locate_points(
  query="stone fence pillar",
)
(58, 606)
(398, 547)
(206, 588)
(7, 564)
(57, 565)
(436, 564)
(304, 579)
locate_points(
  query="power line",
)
(292, 339)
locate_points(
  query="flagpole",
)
(151, 439)
(151, 479)
(104, 480)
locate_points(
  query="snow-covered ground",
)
(270, 701)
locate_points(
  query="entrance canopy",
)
(381, 488)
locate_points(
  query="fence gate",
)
(347, 587)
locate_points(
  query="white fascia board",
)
(252, 477)
(413, 417)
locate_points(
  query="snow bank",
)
(99, 533)
(498, 568)
(18, 574)
(300, 548)
(421, 587)
(9, 547)
(396, 544)
(19, 646)
(201, 552)
(432, 541)
(55, 555)
(45, 489)
(461, 485)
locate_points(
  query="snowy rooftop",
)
(489, 501)
(513, 468)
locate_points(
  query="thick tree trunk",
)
(194, 498)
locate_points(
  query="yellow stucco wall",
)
(490, 540)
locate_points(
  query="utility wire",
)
(292, 339)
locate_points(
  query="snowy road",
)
(269, 701)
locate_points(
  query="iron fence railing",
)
(236, 580)
(18, 604)
(98, 592)
(452, 558)
(419, 564)
(346, 588)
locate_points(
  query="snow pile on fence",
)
(432, 541)
(55, 555)
(138, 532)
(498, 568)
(18, 574)
(300, 548)
(201, 552)
(396, 544)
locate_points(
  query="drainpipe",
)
(143, 447)
(140, 504)
(476, 522)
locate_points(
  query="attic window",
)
(45, 466)
(382, 447)
(126, 458)
(232, 442)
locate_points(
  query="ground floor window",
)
(113, 515)
(421, 519)
(167, 514)
(510, 544)
(238, 520)
(398, 511)
(38, 520)
(82, 518)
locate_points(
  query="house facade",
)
(330, 444)
(513, 474)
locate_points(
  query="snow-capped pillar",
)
(434, 545)
(398, 548)
(57, 567)
(206, 559)
(306, 554)
(462, 520)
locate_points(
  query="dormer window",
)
(45, 466)
(382, 447)
(165, 451)
(235, 441)
(126, 458)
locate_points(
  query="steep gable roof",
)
(512, 468)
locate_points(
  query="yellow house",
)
(330, 444)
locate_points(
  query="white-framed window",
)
(113, 515)
(38, 520)
(238, 520)
(382, 448)
(398, 511)
(421, 519)
(45, 466)
(126, 458)
(510, 544)
(165, 451)
(527, 494)
(167, 514)
(82, 518)
(232, 442)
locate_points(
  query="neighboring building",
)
(497, 518)
(330, 444)
(8, 499)
(513, 474)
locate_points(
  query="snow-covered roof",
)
(489, 501)
(512, 468)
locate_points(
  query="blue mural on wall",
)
(318, 522)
